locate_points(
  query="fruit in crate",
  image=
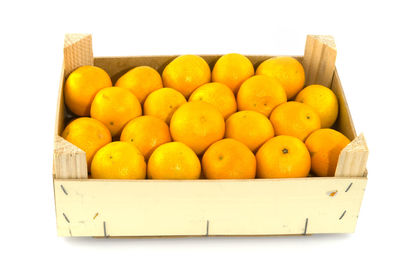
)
(232, 70)
(186, 73)
(260, 93)
(325, 146)
(217, 94)
(146, 133)
(229, 159)
(81, 87)
(88, 134)
(114, 107)
(249, 127)
(324, 102)
(295, 119)
(118, 160)
(141, 81)
(287, 70)
(282, 157)
(163, 103)
(173, 160)
(197, 124)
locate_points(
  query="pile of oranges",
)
(233, 122)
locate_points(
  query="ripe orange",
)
(282, 157)
(88, 134)
(141, 81)
(295, 119)
(118, 160)
(197, 124)
(325, 146)
(229, 159)
(186, 73)
(173, 160)
(324, 102)
(261, 94)
(146, 133)
(232, 70)
(287, 70)
(114, 107)
(217, 94)
(163, 103)
(249, 127)
(81, 87)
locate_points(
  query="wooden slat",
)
(69, 160)
(353, 159)
(319, 59)
(344, 122)
(78, 51)
(230, 207)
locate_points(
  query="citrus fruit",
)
(325, 146)
(163, 103)
(88, 134)
(217, 94)
(229, 159)
(287, 70)
(197, 124)
(186, 73)
(324, 102)
(232, 70)
(249, 127)
(282, 157)
(146, 133)
(114, 107)
(173, 160)
(141, 81)
(118, 160)
(81, 87)
(295, 119)
(261, 94)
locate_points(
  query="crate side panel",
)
(206, 207)
(117, 66)
(344, 123)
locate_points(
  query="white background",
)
(367, 37)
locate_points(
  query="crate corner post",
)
(319, 59)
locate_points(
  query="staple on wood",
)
(347, 189)
(66, 218)
(305, 227)
(342, 215)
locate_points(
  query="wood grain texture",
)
(78, 51)
(69, 160)
(229, 207)
(319, 59)
(353, 158)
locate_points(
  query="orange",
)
(232, 70)
(146, 133)
(197, 124)
(283, 156)
(249, 127)
(325, 146)
(295, 119)
(173, 160)
(81, 87)
(287, 70)
(229, 159)
(219, 95)
(88, 134)
(261, 94)
(163, 103)
(186, 73)
(118, 160)
(141, 81)
(324, 102)
(114, 107)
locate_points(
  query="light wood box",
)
(138, 208)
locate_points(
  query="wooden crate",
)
(136, 208)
